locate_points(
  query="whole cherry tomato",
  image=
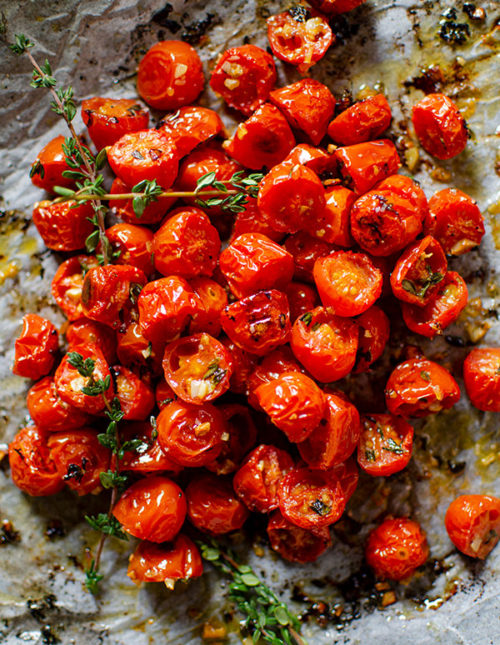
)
(35, 348)
(250, 221)
(153, 212)
(107, 120)
(385, 444)
(332, 225)
(148, 457)
(294, 543)
(136, 398)
(301, 298)
(473, 524)
(321, 162)
(135, 351)
(274, 364)
(365, 164)
(191, 125)
(396, 548)
(170, 75)
(165, 562)
(67, 284)
(213, 506)
(306, 250)
(133, 245)
(152, 509)
(336, 6)
(244, 76)
(244, 365)
(49, 165)
(364, 121)
(63, 226)
(49, 412)
(88, 332)
(482, 378)
(374, 330)
(242, 436)
(213, 298)
(440, 127)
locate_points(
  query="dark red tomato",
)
(49, 165)
(244, 76)
(482, 378)
(165, 562)
(213, 506)
(152, 509)
(89, 332)
(374, 330)
(31, 465)
(290, 197)
(294, 403)
(390, 217)
(473, 524)
(186, 244)
(256, 481)
(441, 310)
(294, 543)
(253, 262)
(149, 457)
(170, 75)
(440, 127)
(67, 284)
(49, 412)
(336, 6)
(332, 225)
(69, 382)
(273, 365)
(347, 282)
(325, 344)
(107, 120)
(153, 213)
(244, 365)
(242, 436)
(136, 397)
(250, 221)
(79, 459)
(191, 435)
(396, 548)
(135, 351)
(365, 164)
(189, 126)
(364, 121)
(263, 140)
(198, 368)
(308, 105)
(64, 226)
(299, 36)
(35, 348)
(144, 155)
(335, 438)
(301, 298)
(348, 474)
(165, 307)
(306, 250)
(133, 245)
(110, 292)
(311, 498)
(385, 444)
(418, 387)
(258, 323)
(213, 297)
(419, 271)
(164, 394)
(455, 220)
(318, 160)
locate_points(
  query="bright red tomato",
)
(153, 213)
(149, 458)
(294, 543)
(364, 121)
(306, 250)
(332, 225)
(136, 397)
(136, 352)
(473, 524)
(36, 347)
(440, 127)
(213, 298)
(89, 332)
(274, 364)
(49, 412)
(250, 221)
(321, 162)
(67, 284)
(365, 164)
(244, 365)
(242, 436)
(301, 298)
(133, 245)
(63, 226)
(107, 120)
(385, 444)
(165, 563)
(49, 165)
(482, 378)
(374, 331)
(189, 126)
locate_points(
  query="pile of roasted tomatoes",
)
(237, 352)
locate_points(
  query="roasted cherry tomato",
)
(308, 105)
(189, 126)
(49, 412)
(164, 394)
(332, 224)
(152, 509)
(299, 36)
(306, 250)
(244, 365)
(301, 298)
(47, 169)
(455, 220)
(419, 387)
(473, 524)
(348, 475)
(263, 140)
(107, 120)
(170, 75)
(440, 127)
(364, 121)
(191, 435)
(88, 332)
(274, 364)
(133, 245)
(67, 284)
(136, 398)
(198, 368)
(365, 164)
(336, 6)
(186, 244)
(31, 465)
(396, 548)
(335, 438)
(325, 344)
(244, 76)
(258, 323)
(148, 457)
(482, 378)
(250, 221)
(153, 213)
(64, 226)
(374, 330)
(213, 506)
(36, 347)
(321, 162)
(135, 351)
(385, 444)
(213, 298)
(165, 562)
(294, 543)
(242, 436)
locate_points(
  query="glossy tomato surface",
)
(473, 524)
(166, 563)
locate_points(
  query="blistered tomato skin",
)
(153, 213)
(365, 164)
(301, 298)
(296, 544)
(333, 224)
(152, 509)
(88, 332)
(49, 412)
(134, 246)
(135, 395)
(440, 127)
(473, 524)
(50, 163)
(64, 226)
(317, 159)
(306, 250)
(189, 126)
(67, 284)
(242, 436)
(35, 348)
(364, 121)
(107, 119)
(150, 459)
(250, 221)
(165, 563)
(213, 299)
(482, 378)
(374, 331)
(385, 444)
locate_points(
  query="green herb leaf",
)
(92, 241)
(21, 44)
(108, 525)
(92, 578)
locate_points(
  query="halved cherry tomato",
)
(301, 298)
(364, 121)
(419, 387)
(294, 543)
(148, 457)
(49, 165)
(191, 125)
(385, 444)
(164, 394)
(135, 351)
(440, 127)
(170, 75)
(325, 344)
(332, 225)
(153, 213)
(244, 365)
(213, 298)
(336, 6)
(321, 162)
(250, 221)
(88, 332)
(64, 226)
(31, 466)
(165, 563)
(242, 436)
(35, 348)
(133, 245)
(374, 330)
(365, 164)
(152, 509)
(482, 378)
(274, 364)
(67, 284)
(136, 397)
(213, 506)
(473, 524)
(107, 120)
(396, 548)
(49, 412)
(244, 76)
(455, 220)
(198, 368)
(306, 250)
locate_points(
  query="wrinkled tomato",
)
(49, 412)
(107, 120)
(36, 347)
(49, 165)
(385, 444)
(473, 524)
(242, 436)
(365, 164)
(482, 378)
(364, 121)
(296, 544)
(189, 126)
(374, 331)
(165, 562)
(440, 127)
(133, 245)
(63, 226)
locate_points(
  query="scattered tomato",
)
(473, 524)
(165, 563)
(482, 378)
(364, 121)
(191, 125)
(440, 127)
(35, 348)
(385, 444)
(296, 544)
(107, 120)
